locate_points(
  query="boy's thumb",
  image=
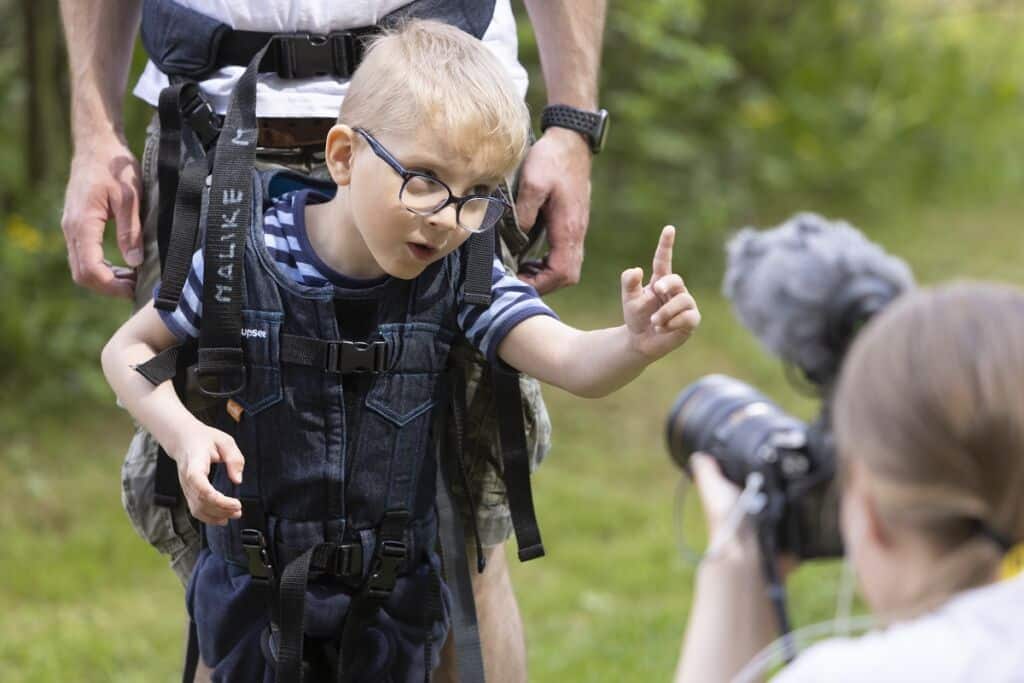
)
(632, 282)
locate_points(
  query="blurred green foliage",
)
(737, 111)
(725, 113)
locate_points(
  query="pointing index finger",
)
(662, 264)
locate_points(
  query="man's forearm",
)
(569, 39)
(100, 36)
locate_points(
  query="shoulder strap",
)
(177, 254)
(229, 216)
(476, 285)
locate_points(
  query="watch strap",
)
(587, 123)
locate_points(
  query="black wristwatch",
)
(592, 125)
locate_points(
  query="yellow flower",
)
(22, 235)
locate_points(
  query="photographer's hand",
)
(731, 619)
(661, 315)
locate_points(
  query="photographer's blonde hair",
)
(930, 400)
(428, 75)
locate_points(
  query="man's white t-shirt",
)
(976, 637)
(313, 97)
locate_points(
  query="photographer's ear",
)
(338, 153)
(862, 523)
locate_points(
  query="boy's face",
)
(401, 242)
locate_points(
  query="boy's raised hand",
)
(195, 452)
(661, 315)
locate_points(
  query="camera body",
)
(745, 432)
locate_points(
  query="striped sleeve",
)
(512, 302)
(183, 322)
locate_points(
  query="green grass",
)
(83, 599)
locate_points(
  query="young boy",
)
(340, 464)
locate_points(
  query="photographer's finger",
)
(662, 263)
(717, 494)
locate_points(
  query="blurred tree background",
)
(896, 114)
(724, 114)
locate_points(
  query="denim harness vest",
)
(330, 458)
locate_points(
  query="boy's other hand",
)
(198, 449)
(661, 315)
(104, 185)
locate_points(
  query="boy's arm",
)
(192, 444)
(658, 318)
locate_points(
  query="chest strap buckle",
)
(351, 356)
(305, 55)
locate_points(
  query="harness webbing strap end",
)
(161, 367)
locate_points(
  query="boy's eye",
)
(485, 190)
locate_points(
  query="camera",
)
(804, 288)
(745, 432)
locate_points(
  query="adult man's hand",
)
(554, 184)
(105, 184)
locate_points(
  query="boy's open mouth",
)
(423, 252)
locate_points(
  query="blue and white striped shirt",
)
(284, 226)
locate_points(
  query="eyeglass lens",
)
(424, 195)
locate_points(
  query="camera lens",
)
(731, 421)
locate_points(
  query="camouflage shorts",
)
(168, 530)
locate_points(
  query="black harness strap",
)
(389, 559)
(476, 288)
(168, 364)
(291, 617)
(188, 675)
(516, 461)
(464, 630)
(221, 371)
(184, 230)
(168, 162)
(161, 367)
(333, 356)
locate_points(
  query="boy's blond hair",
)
(426, 73)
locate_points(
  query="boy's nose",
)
(445, 219)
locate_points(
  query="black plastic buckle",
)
(199, 115)
(305, 55)
(347, 560)
(255, 546)
(390, 558)
(350, 356)
(220, 372)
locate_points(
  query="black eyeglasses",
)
(425, 195)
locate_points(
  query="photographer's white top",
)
(314, 97)
(976, 636)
